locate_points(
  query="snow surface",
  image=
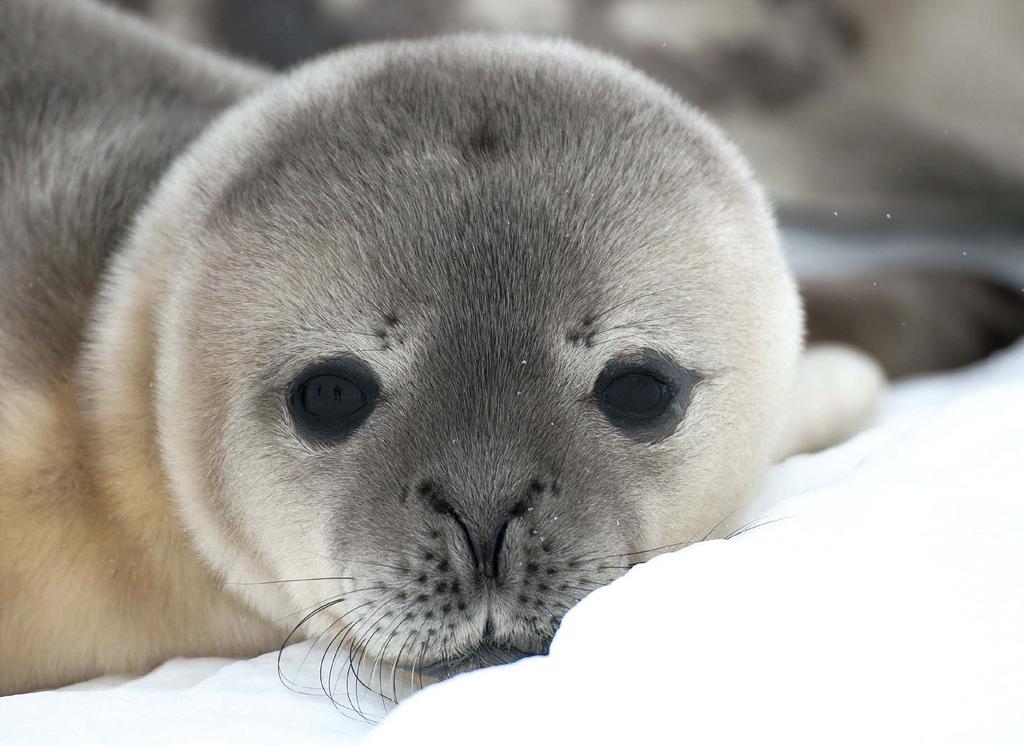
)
(886, 606)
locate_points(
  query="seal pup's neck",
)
(107, 541)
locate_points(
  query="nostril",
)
(518, 511)
(431, 495)
(499, 542)
(468, 537)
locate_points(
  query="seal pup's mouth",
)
(487, 653)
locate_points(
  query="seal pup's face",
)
(466, 328)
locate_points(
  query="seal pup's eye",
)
(329, 400)
(645, 395)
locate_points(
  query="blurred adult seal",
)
(404, 352)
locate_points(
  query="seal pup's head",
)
(466, 327)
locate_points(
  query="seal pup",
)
(408, 351)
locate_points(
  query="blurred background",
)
(855, 113)
(888, 133)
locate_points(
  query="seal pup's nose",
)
(483, 544)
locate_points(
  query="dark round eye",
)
(645, 395)
(329, 400)
(638, 394)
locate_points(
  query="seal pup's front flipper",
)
(865, 328)
(836, 392)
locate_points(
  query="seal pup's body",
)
(554, 290)
(95, 572)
